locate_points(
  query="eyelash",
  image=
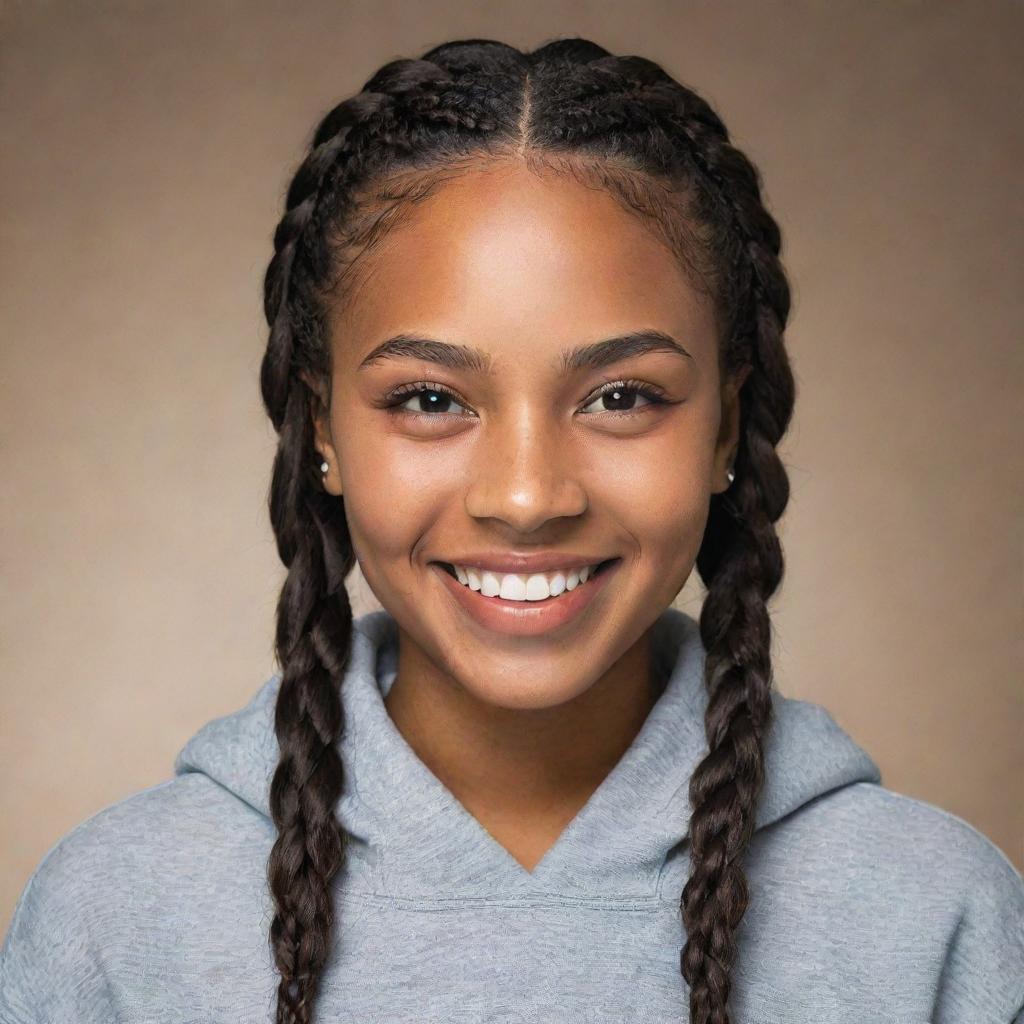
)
(394, 400)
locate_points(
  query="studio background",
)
(146, 149)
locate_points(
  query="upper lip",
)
(516, 562)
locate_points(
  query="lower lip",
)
(526, 618)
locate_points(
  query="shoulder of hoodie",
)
(918, 858)
(896, 829)
(186, 824)
(907, 834)
(938, 868)
(916, 866)
(92, 887)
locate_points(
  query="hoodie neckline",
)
(413, 839)
(616, 843)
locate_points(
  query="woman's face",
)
(493, 442)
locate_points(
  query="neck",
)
(510, 765)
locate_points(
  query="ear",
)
(325, 451)
(729, 430)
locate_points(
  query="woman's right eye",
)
(425, 400)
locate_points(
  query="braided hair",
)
(620, 123)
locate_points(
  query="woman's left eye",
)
(622, 395)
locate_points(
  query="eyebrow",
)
(464, 357)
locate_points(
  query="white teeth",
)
(519, 587)
(490, 585)
(513, 588)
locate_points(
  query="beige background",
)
(146, 148)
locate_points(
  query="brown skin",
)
(522, 730)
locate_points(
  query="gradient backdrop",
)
(146, 148)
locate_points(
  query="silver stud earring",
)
(324, 466)
(730, 475)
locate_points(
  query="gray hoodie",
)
(866, 907)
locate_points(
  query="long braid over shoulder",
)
(617, 123)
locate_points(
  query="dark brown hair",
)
(624, 125)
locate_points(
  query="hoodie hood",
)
(411, 837)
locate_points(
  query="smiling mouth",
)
(599, 569)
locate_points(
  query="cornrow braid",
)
(742, 563)
(618, 123)
(314, 615)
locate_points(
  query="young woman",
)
(526, 364)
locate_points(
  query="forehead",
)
(508, 256)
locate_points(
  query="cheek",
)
(393, 491)
(663, 505)
(660, 490)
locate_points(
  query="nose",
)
(525, 473)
